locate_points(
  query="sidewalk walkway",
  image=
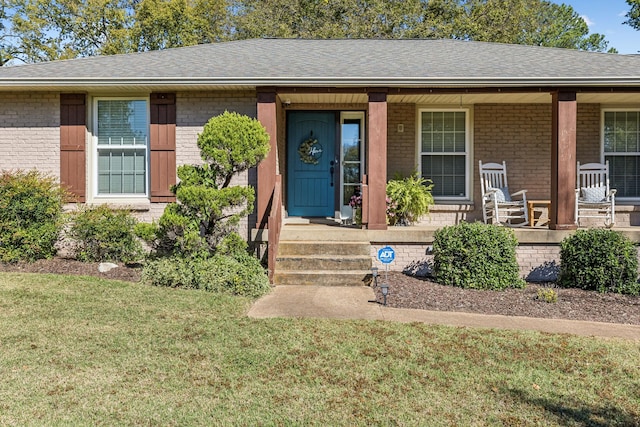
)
(358, 302)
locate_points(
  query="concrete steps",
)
(303, 259)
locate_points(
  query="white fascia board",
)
(323, 82)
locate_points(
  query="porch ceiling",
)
(459, 99)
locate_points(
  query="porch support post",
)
(267, 168)
(563, 160)
(377, 160)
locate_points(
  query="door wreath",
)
(310, 151)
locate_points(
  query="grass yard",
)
(83, 351)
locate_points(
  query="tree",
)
(42, 30)
(209, 208)
(161, 24)
(634, 14)
(531, 22)
(45, 30)
(528, 22)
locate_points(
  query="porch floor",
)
(331, 230)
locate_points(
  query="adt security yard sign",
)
(386, 255)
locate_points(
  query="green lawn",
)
(81, 351)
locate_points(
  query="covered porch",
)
(540, 132)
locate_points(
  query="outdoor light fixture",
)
(374, 274)
(384, 288)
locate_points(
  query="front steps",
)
(308, 256)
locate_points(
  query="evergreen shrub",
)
(240, 274)
(476, 256)
(600, 260)
(103, 234)
(31, 216)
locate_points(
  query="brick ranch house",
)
(113, 129)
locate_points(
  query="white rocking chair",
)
(594, 198)
(498, 205)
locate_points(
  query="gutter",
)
(402, 82)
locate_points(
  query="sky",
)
(607, 17)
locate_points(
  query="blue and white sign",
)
(386, 255)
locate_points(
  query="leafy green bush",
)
(477, 256)
(104, 234)
(30, 216)
(408, 199)
(240, 274)
(601, 260)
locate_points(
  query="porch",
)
(540, 132)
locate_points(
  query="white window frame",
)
(351, 115)
(93, 170)
(603, 155)
(467, 150)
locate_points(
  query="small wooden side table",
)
(531, 205)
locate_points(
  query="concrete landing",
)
(358, 302)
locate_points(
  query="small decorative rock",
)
(106, 266)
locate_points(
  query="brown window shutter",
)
(73, 131)
(162, 138)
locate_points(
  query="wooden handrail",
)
(274, 224)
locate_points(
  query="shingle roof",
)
(346, 62)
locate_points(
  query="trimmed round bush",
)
(476, 256)
(240, 274)
(599, 260)
(104, 234)
(31, 216)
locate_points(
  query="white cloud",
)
(589, 22)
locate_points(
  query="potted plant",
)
(408, 199)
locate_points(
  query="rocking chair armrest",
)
(612, 193)
(519, 193)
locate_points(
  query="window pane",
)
(621, 135)
(443, 132)
(121, 171)
(122, 122)
(447, 173)
(351, 140)
(352, 173)
(427, 142)
(349, 190)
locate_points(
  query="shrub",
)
(477, 256)
(237, 275)
(30, 216)
(104, 234)
(601, 260)
(548, 295)
(408, 199)
(209, 207)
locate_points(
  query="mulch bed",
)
(575, 304)
(424, 294)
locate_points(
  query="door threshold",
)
(305, 220)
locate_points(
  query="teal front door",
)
(311, 168)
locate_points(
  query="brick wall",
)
(401, 146)
(194, 109)
(29, 131)
(519, 134)
(537, 262)
(588, 133)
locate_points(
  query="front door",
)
(311, 163)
